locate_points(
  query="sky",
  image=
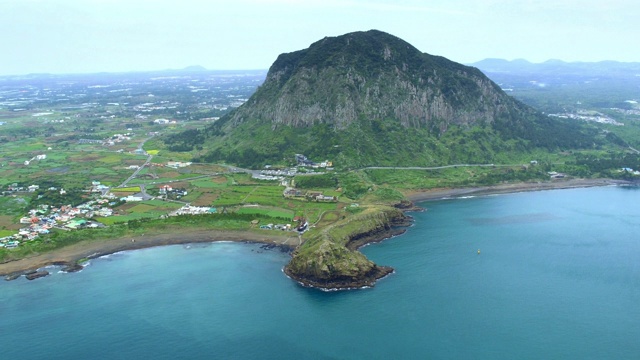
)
(84, 36)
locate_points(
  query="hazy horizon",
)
(254, 70)
(93, 36)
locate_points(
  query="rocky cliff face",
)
(374, 75)
(372, 99)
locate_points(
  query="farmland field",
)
(269, 211)
(94, 137)
(8, 223)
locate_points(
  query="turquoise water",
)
(558, 277)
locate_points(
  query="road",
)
(434, 167)
(143, 192)
(135, 173)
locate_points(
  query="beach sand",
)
(90, 249)
(445, 193)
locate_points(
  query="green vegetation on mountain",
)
(371, 99)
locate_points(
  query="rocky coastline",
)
(333, 261)
(32, 274)
(319, 273)
(342, 283)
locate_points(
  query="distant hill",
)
(370, 98)
(559, 67)
(557, 86)
(194, 68)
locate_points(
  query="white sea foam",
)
(108, 256)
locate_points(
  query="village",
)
(42, 219)
(300, 225)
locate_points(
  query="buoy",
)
(478, 251)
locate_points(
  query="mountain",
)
(376, 75)
(193, 68)
(370, 98)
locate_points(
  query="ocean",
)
(557, 276)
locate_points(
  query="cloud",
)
(365, 5)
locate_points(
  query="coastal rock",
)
(407, 205)
(36, 274)
(73, 267)
(13, 276)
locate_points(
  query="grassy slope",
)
(325, 258)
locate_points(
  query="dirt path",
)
(249, 194)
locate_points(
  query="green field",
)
(15, 206)
(69, 168)
(126, 218)
(209, 184)
(161, 204)
(4, 233)
(273, 212)
(229, 198)
(150, 209)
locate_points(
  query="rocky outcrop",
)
(407, 205)
(70, 267)
(12, 276)
(32, 275)
(330, 260)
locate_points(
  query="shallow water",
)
(557, 277)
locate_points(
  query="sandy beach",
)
(445, 193)
(91, 249)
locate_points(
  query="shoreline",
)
(452, 193)
(69, 256)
